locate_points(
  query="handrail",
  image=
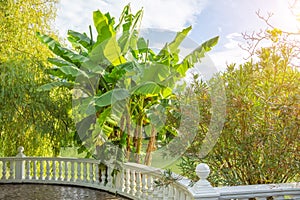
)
(134, 181)
(176, 190)
(262, 191)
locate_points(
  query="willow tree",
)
(36, 120)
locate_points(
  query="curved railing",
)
(134, 181)
(263, 191)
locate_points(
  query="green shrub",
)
(260, 138)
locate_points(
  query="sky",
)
(224, 18)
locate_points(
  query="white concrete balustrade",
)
(134, 181)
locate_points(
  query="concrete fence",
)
(132, 180)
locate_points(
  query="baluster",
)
(72, 172)
(170, 193)
(109, 177)
(34, 170)
(177, 194)
(138, 184)
(181, 194)
(122, 181)
(47, 170)
(60, 173)
(54, 170)
(97, 174)
(78, 171)
(11, 170)
(28, 170)
(188, 197)
(85, 172)
(41, 170)
(127, 181)
(144, 186)
(155, 193)
(132, 182)
(103, 176)
(149, 186)
(66, 171)
(4, 170)
(91, 173)
(161, 193)
(165, 192)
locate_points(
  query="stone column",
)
(20, 165)
(203, 189)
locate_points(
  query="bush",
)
(260, 138)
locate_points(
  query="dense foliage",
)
(260, 139)
(36, 120)
(123, 90)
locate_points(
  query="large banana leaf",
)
(172, 48)
(50, 86)
(154, 72)
(66, 70)
(106, 49)
(111, 97)
(79, 38)
(64, 53)
(195, 56)
(104, 26)
(148, 89)
(129, 36)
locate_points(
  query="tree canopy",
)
(36, 120)
(123, 90)
(260, 140)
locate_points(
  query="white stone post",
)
(203, 189)
(20, 165)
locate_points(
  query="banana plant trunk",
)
(151, 146)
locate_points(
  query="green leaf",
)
(72, 71)
(104, 28)
(111, 97)
(157, 115)
(64, 53)
(82, 39)
(59, 62)
(49, 86)
(56, 72)
(172, 48)
(129, 36)
(107, 52)
(147, 88)
(155, 72)
(125, 12)
(112, 52)
(194, 57)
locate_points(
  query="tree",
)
(260, 139)
(36, 120)
(122, 88)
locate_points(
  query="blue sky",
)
(225, 18)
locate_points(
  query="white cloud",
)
(228, 56)
(233, 40)
(230, 53)
(164, 14)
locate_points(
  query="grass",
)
(71, 152)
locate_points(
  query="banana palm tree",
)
(123, 90)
